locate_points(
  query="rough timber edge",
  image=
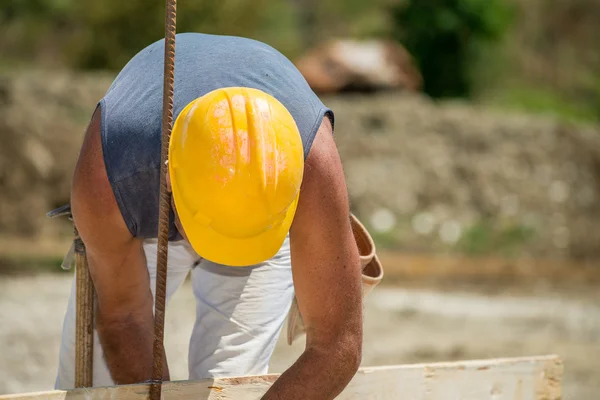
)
(522, 378)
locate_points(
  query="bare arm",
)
(327, 275)
(124, 317)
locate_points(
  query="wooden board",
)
(530, 378)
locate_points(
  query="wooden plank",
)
(529, 378)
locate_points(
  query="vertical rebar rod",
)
(165, 201)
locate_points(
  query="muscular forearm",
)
(316, 375)
(127, 342)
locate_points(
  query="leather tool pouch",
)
(372, 274)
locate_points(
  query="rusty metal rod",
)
(165, 201)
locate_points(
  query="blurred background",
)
(470, 136)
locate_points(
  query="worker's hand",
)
(124, 317)
(327, 280)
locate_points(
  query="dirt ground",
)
(402, 326)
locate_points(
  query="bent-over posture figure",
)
(259, 215)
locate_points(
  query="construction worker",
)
(259, 216)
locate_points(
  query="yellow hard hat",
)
(236, 163)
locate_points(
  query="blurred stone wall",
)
(43, 117)
(452, 176)
(423, 176)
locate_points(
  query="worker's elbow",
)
(350, 353)
(354, 359)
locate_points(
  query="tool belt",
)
(372, 273)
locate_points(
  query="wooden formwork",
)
(528, 378)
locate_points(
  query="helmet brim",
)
(235, 252)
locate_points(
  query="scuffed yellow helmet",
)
(236, 163)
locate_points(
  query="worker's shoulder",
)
(323, 148)
(93, 202)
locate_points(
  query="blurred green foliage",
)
(127, 26)
(532, 55)
(548, 63)
(485, 237)
(548, 102)
(20, 265)
(445, 35)
(106, 34)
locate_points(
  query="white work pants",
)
(239, 315)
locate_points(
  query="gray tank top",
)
(132, 110)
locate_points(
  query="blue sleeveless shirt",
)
(132, 110)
